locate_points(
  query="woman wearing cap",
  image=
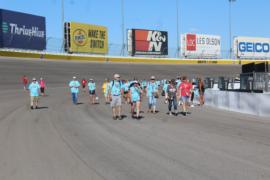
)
(92, 90)
(152, 94)
(34, 88)
(135, 94)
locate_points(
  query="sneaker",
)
(32, 107)
(170, 113)
(120, 118)
(185, 113)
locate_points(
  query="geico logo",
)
(254, 47)
(156, 36)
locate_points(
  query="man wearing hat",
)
(34, 88)
(115, 92)
(92, 90)
(152, 94)
(74, 88)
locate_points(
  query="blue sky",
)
(249, 17)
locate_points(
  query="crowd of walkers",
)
(177, 93)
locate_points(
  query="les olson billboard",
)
(86, 38)
(200, 46)
(252, 47)
(22, 31)
(147, 42)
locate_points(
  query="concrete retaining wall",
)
(249, 103)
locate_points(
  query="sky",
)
(249, 17)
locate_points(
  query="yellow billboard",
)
(87, 38)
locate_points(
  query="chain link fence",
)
(55, 45)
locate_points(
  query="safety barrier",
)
(99, 58)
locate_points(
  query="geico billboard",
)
(147, 42)
(86, 38)
(252, 47)
(22, 31)
(200, 46)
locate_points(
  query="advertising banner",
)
(22, 31)
(87, 38)
(252, 47)
(200, 46)
(147, 42)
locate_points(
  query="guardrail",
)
(119, 59)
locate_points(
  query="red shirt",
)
(25, 80)
(185, 88)
(84, 82)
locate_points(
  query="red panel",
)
(191, 42)
(141, 46)
(141, 35)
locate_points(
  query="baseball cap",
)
(34, 79)
(153, 77)
(74, 77)
(116, 76)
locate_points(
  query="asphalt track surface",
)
(61, 141)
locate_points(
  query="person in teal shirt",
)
(74, 88)
(34, 89)
(135, 94)
(115, 93)
(152, 94)
(92, 90)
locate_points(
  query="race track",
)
(61, 141)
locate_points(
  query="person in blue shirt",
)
(136, 94)
(92, 90)
(152, 94)
(34, 89)
(74, 89)
(115, 93)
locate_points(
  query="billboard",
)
(147, 42)
(22, 31)
(86, 38)
(252, 47)
(200, 46)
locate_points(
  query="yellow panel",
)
(86, 38)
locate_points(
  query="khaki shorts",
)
(116, 101)
(34, 100)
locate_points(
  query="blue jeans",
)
(172, 103)
(74, 98)
(152, 101)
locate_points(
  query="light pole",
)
(177, 28)
(123, 28)
(63, 23)
(230, 25)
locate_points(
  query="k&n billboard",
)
(147, 42)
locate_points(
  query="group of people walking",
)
(179, 92)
